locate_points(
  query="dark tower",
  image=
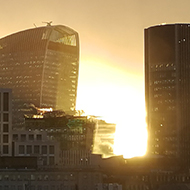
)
(167, 90)
(41, 65)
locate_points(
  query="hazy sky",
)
(110, 30)
(111, 39)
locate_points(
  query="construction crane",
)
(48, 23)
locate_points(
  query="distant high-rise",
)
(167, 90)
(41, 66)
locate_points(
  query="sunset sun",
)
(116, 97)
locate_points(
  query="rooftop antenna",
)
(35, 25)
(48, 23)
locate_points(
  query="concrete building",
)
(36, 144)
(70, 179)
(75, 135)
(23, 143)
(5, 122)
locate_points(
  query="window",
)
(32, 177)
(21, 149)
(29, 149)
(31, 137)
(46, 177)
(36, 149)
(44, 160)
(51, 160)
(51, 149)
(5, 101)
(5, 128)
(5, 138)
(23, 137)
(6, 177)
(5, 117)
(44, 149)
(39, 137)
(15, 137)
(5, 149)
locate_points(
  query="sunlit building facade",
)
(41, 65)
(167, 90)
(104, 138)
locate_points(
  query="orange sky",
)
(111, 39)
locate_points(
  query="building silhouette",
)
(41, 65)
(167, 90)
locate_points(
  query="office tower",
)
(167, 90)
(5, 122)
(41, 65)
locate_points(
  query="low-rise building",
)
(67, 179)
(36, 144)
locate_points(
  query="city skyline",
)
(111, 37)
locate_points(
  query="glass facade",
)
(167, 90)
(41, 65)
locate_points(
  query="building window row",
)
(164, 88)
(29, 137)
(36, 149)
(32, 177)
(163, 66)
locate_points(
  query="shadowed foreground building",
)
(67, 179)
(5, 122)
(75, 135)
(40, 65)
(167, 90)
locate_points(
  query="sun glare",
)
(131, 134)
(118, 98)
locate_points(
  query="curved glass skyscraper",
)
(41, 66)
